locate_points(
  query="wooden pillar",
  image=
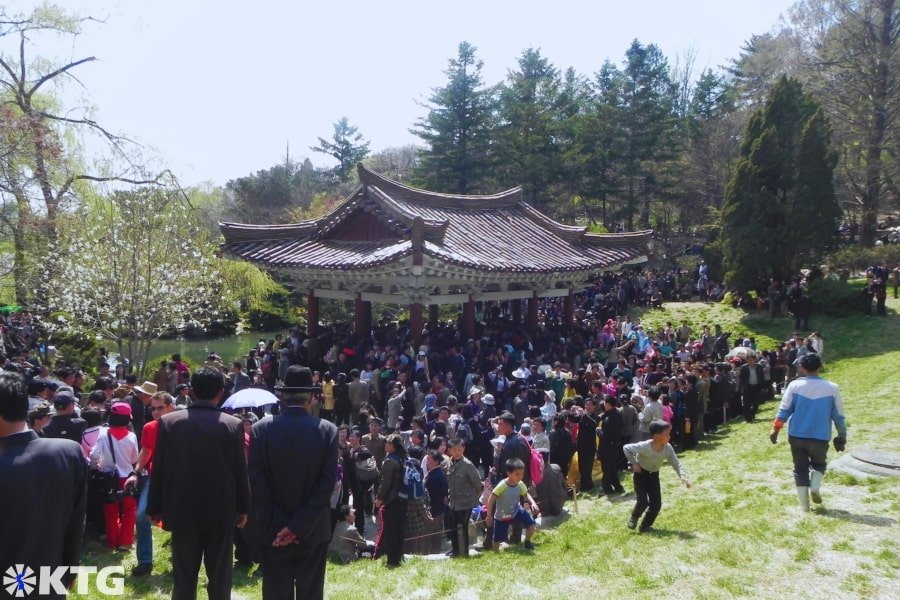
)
(415, 323)
(516, 310)
(532, 323)
(433, 313)
(569, 309)
(363, 317)
(312, 313)
(469, 318)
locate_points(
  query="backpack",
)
(536, 464)
(411, 487)
(464, 431)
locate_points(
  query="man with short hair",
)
(751, 382)
(810, 405)
(199, 488)
(43, 490)
(293, 470)
(160, 404)
(65, 424)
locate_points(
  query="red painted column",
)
(516, 309)
(415, 323)
(312, 313)
(362, 319)
(532, 323)
(569, 309)
(469, 318)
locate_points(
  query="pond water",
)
(230, 348)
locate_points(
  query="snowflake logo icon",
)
(19, 581)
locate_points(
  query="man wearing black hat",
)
(199, 487)
(293, 470)
(65, 424)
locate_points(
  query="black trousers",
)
(458, 524)
(649, 497)
(213, 548)
(297, 575)
(750, 401)
(609, 462)
(362, 501)
(807, 453)
(586, 468)
(394, 530)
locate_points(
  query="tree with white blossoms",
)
(132, 266)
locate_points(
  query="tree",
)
(852, 48)
(397, 163)
(136, 265)
(271, 195)
(646, 122)
(780, 209)
(457, 129)
(41, 170)
(346, 146)
(528, 148)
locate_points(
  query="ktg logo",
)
(21, 581)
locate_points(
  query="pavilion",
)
(388, 242)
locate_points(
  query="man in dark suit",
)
(43, 487)
(199, 488)
(611, 425)
(515, 446)
(293, 470)
(751, 380)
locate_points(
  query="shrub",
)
(858, 258)
(835, 297)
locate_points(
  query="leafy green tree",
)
(457, 129)
(780, 209)
(346, 146)
(271, 195)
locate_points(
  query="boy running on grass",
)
(507, 498)
(645, 459)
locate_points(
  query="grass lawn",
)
(734, 534)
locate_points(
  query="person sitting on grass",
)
(505, 505)
(645, 459)
(346, 542)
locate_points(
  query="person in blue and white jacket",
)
(810, 404)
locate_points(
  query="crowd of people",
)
(429, 445)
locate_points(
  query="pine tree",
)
(456, 130)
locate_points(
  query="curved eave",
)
(618, 240)
(243, 232)
(506, 199)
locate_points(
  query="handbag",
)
(106, 482)
(366, 469)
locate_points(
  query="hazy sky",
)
(219, 88)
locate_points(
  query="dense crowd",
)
(434, 437)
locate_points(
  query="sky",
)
(219, 90)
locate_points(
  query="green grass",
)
(735, 534)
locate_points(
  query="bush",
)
(858, 258)
(266, 316)
(834, 297)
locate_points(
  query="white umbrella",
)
(250, 398)
(543, 369)
(740, 351)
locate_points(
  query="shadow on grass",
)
(96, 553)
(844, 515)
(553, 521)
(670, 533)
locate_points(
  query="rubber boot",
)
(803, 497)
(815, 486)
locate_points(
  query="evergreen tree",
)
(780, 208)
(347, 147)
(528, 149)
(456, 129)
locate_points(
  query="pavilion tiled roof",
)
(491, 233)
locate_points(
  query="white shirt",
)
(126, 453)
